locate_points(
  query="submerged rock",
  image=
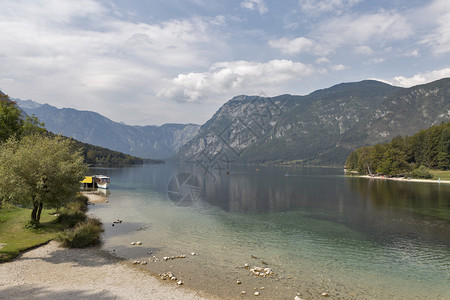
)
(262, 272)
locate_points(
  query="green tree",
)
(40, 170)
(13, 123)
(443, 157)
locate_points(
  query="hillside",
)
(157, 142)
(321, 128)
(428, 148)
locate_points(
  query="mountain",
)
(321, 128)
(156, 142)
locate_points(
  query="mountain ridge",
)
(150, 141)
(321, 128)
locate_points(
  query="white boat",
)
(101, 181)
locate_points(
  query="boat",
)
(96, 181)
(102, 181)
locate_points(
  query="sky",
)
(147, 62)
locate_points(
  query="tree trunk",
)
(34, 211)
(39, 212)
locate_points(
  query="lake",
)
(317, 229)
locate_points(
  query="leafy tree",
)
(394, 162)
(40, 170)
(13, 123)
(443, 156)
(429, 148)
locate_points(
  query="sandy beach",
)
(95, 197)
(52, 272)
(404, 179)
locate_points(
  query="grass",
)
(18, 238)
(71, 227)
(443, 175)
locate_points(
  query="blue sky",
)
(177, 61)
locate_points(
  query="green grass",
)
(443, 175)
(18, 238)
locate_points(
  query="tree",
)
(443, 157)
(40, 170)
(13, 123)
(394, 162)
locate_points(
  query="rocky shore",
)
(52, 272)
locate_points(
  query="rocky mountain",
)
(321, 128)
(158, 142)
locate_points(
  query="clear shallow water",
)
(316, 228)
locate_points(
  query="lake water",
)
(317, 229)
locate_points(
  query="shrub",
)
(421, 172)
(83, 235)
(74, 211)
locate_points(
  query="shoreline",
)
(53, 272)
(402, 179)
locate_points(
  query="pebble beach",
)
(52, 272)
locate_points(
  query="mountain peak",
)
(157, 142)
(321, 128)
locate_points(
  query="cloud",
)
(315, 7)
(75, 53)
(376, 61)
(378, 27)
(51, 11)
(298, 45)
(231, 78)
(412, 53)
(339, 67)
(420, 78)
(438, 14)
(366, 50)
(322, 60)
(260, 5)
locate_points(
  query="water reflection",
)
(383, 210)
(415, 211)
(364, 234)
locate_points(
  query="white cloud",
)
(420, 78)
(322, 60)
(438, 14)
(50, 11)
(232, 78)
(412, 53)
(314, 6)
(339, 67)
(260, 5)
(376, 61)
(298, 45)
(366, 50)
(358, 29)
(74, 53)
